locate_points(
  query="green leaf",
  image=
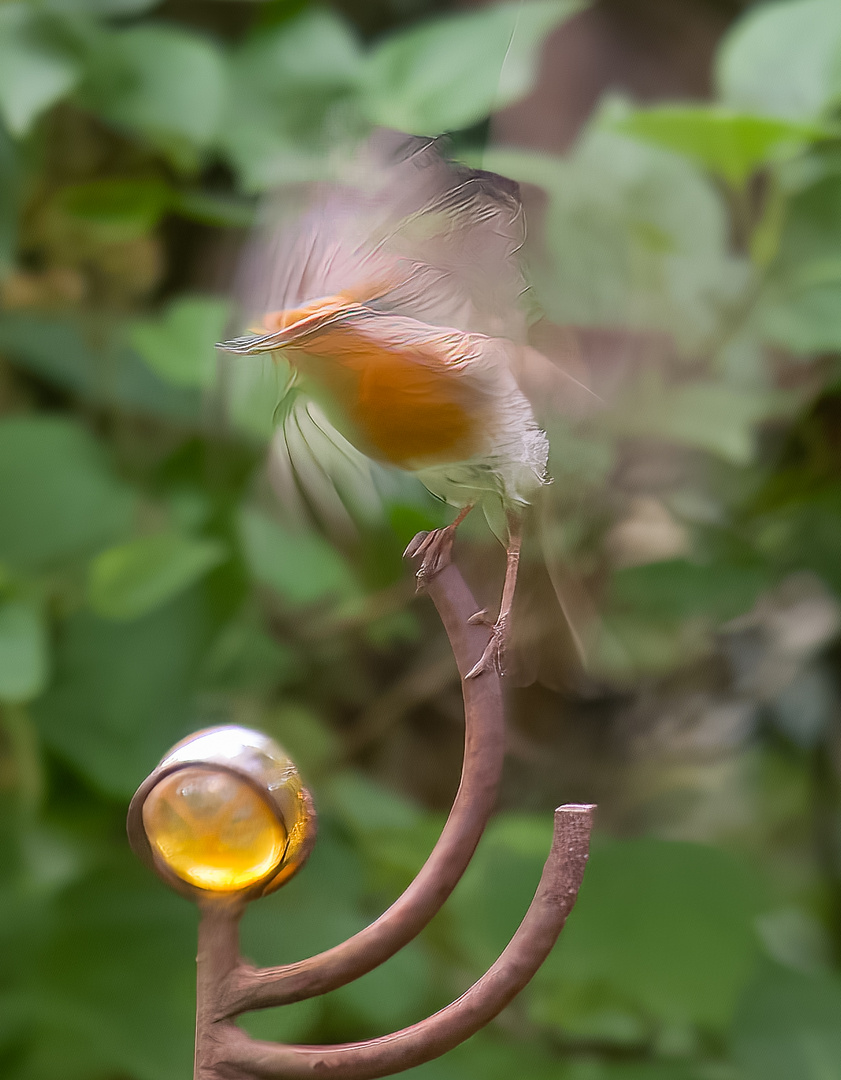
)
(301, 567)
(212, 208)
(783, 59)
(133, 579)
(453, 72)
(788, 1026)
(729, 143)
(292, 90)
(636, 237)
(85, 358)
(801, 306)
(117, 209)
(180, 345)
(668, 927)
(679, 589)
(162, 81)
(59, 497)
(628, 646)
(122, 692)
(110, 990)
(662, 931)
(709, 416)
(323, 904)
(36, 71)
(9, 193)
(245, 658)
(24, 651)
(102, 8)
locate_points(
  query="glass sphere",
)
(224, 812)
(213, 829)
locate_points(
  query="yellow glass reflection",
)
(213, 829)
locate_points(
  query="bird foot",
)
(481, 618)
(436, 547)
(491, 658)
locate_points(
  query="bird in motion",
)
(396, 298)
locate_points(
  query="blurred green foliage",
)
(149, 584)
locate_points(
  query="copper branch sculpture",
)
(227, 986)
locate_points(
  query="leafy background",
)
(151, 584)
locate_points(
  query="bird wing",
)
(407, 235)
(317, 474)
(406, 229)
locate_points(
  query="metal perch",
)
(231, 771)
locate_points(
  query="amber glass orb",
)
(213, 829)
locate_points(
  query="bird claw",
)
(436, 548)
(480, 618)
(491, 658)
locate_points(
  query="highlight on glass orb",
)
(224, 812)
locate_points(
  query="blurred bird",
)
(397, 298)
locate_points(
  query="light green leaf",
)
(133, 579)
(58, 495)
(454, 71)
(164, 82)
(711, 416)
(291, 101)
(24, 650)
(732, 144)
(783, 59)
(316, 50)
(800, 307)
(636, 238)
(788, 1026)
(628, 646)
(803, 318)
(301, 567)
(35, 70)
(180, 345)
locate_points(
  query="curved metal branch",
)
(484, 749)
(238, 1056)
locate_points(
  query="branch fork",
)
(227, 986)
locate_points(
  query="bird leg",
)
(491, 658)
(436, 548)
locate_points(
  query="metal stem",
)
(227, 987)
(241, 1057)
(216, 960)
(251, 988)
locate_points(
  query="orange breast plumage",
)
(407, 405)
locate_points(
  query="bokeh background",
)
(681, 161)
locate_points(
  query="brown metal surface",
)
(216, 960)
(227, 987)
(484, 749)
(234, 1056)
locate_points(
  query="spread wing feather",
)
(406, 229)
(317, 474)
